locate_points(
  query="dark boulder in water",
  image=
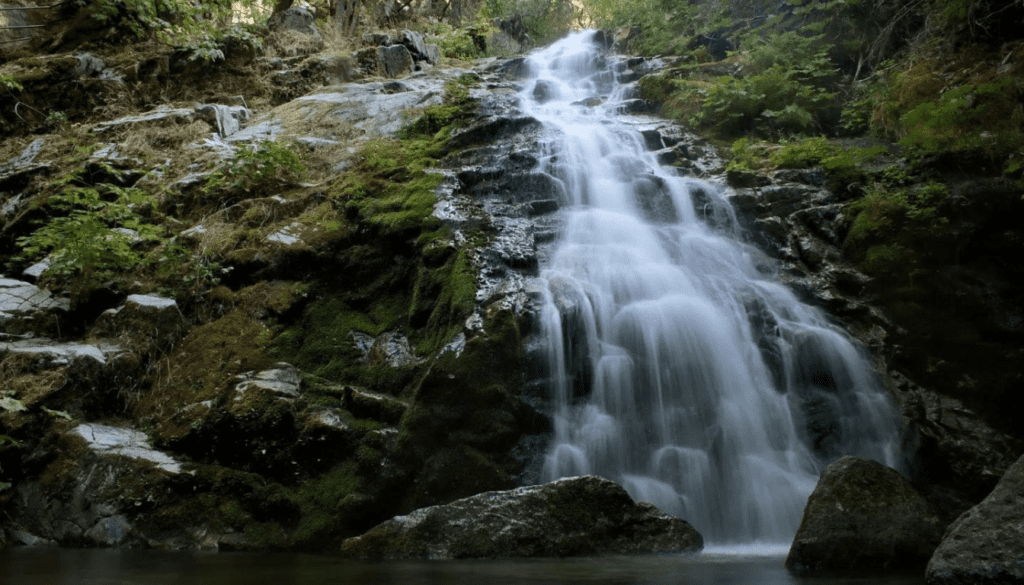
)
(570, 517)
(864, 517)
(986, 544)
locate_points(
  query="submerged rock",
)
(570, 517)
(986, 544)
(863, 516)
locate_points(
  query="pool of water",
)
(56, 566)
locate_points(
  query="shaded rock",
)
(395, 61)
(373, 406)
(717, 45)
(376, 39)
(863, 516)
(511, 36)
(109, 531)
(569, 517)
(986, 544)
(144, 324)
(413, 41)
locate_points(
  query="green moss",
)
(329, 504)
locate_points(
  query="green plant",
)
(266, 165)
(173, 22)
(785, 93)
(92, 230)
(9, 82)
(56, 119)
(544, 20)
(955, 120)
(458, 43)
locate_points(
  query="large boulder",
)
(863, 516)
(986, 544)
(570, 517)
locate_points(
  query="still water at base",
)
(109, 567)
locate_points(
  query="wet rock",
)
(225, 119)
(116, 441)
(282, 379)
(109, 532)
(543, 91)
(569, 517)
(863, 517)
(27, 539)
(745, 179)
(390, 348)
(986, 544)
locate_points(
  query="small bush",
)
(265, 166)
(786, 93)
(88, 231)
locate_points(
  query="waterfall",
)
(676, 368)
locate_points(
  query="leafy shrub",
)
(953, 122)
(89, 231)
(786, 93)
(265, 166)
(173, 22)
(458, 43)
(544, 20)
(843, 167)
(8, 82)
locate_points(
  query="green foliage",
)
(665, 23)
(952, 122)
(92, 230)
(843, 167)
(458, 43)
(785, 94)
(544, 20)
(747, 155)
(185, 273)
(8, 82)
(265, 166)
(171, 21)
(890, 225)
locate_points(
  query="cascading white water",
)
(676, 367)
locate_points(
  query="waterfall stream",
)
(676, 367)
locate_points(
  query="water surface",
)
(56, 566)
